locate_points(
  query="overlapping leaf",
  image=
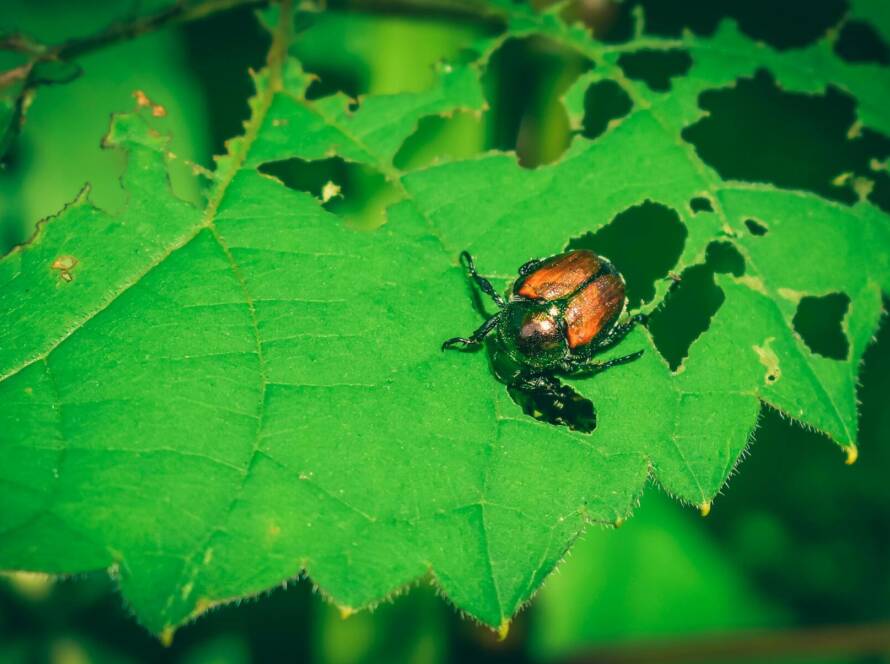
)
(211, 401)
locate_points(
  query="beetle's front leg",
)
(476, 338)
(588, 367)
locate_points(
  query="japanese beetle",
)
(561, 312)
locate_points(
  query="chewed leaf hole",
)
(644, 243)
(818, 321)
(691, 303)
(569, 409)
(701, 204)
(439, 139)
(858, 42)
(754, 131)
(655, 68)
(355, 192)
(755, 227)
(524, 82)
(604, 102)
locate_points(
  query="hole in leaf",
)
(330, 81)
(569, 409)
(783, 25)
(701, 204)
(691, 303)
(524, 83)
(685, 313)
(754, 131)
(724, 258)
(644, 243)
(440, 139)
(655, 68)
(755, 227)
(858, 42)
(604, 101)
(819, 323)
(353, 191)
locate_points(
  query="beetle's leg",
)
(620, 331)
(529, 267)
(483, 283)
(589, 367)
(477, 336)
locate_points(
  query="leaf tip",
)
(852, 454)
(503, 629)
(166, 636)
(345, 611)
(705, 508)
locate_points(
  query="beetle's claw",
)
(449, 343)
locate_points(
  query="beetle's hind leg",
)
(477, 337)
(483, 283)
(620, 331)
(588, 367)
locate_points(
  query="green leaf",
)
(210, 401)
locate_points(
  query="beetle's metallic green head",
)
(532, 333)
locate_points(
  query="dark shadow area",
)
(755, 227)
(604, 101)
(643, 242)
(225, 81)
(569, 409)
(691, 302)
(344, 188)
(819, 323)
(782, 25)
(859, 42)
(655, 68)
(524, 83)
(754, 131)
(701, 204)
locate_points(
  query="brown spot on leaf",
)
(64, 264)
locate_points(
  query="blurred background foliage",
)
(797, 539)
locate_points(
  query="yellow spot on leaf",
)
(503, 629)
(142, 101)
(852, 454)
(754, 283)
(791, 295)
(619, 522)
(770, 360)
(274, 530)
(345, 611)
(705, 508)
(167, 637)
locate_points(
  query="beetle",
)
(561, 312)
